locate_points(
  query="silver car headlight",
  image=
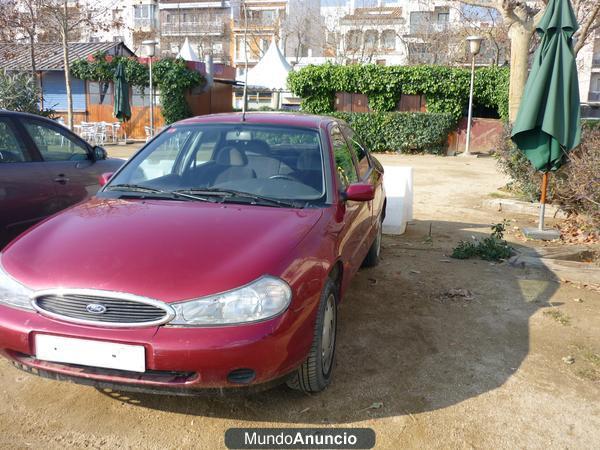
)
(259, 300)
(13, 293)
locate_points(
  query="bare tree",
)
(302, 30)
(521, 18)
(20, 19)
(68, 17)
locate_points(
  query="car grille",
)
(118, 312)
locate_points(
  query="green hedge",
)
(404, 132)
(446, 88)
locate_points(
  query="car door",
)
(68, 160)
(26, 192)
(356, 215)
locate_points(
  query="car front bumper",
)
(177, 360)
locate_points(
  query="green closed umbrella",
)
(121, 107)
(548, 121)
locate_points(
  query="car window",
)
(54, 143)
(343, 158)
(11, 148)
(161, 161)
(359, 152)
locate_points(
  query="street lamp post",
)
(474, 47)
(150, 50)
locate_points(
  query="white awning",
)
(187, 52)
(271, 72)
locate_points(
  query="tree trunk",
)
(32, 53)
(519, 62)
(67, 79)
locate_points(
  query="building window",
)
(100, 93)
(388, 40)
(371, 37)
(354, 40)
(143, 15)
(418, 21)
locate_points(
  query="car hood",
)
(167, 250)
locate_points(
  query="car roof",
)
(268, 118)
(8, 112)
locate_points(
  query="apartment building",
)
(205, 23)
(405, 31)
(588, 65)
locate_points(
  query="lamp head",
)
(149, 48)
(474, 44)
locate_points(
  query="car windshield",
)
(272, 162)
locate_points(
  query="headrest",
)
(231, 156)
(310, 160)
(257, 146)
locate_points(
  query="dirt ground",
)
(423, 369)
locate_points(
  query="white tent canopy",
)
(271, 72)
(187, 52)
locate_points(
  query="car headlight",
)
(13, 293)
(259, 300)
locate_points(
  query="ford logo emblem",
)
(95, 308)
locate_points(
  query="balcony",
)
(192, 29)
(147, 23)
(596, 61)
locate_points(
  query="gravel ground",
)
(433, 352)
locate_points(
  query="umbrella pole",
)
(543, 201)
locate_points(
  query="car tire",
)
(373, 257)
(314, 375)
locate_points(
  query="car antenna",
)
(245, 91)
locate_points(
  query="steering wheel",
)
(282, 177)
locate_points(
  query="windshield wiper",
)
(229, 193)
(134, 188)
(157, 193)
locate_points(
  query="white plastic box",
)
(398, 182)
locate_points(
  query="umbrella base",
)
(541, 235)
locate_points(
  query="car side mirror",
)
(104, 178)
(360, 192)
(99, 153)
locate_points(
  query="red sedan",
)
(215, 258)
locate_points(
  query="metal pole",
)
(543, 201)
(470, 116)
(151, 102)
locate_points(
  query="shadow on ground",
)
(404, 347)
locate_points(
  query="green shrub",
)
(492, 248)
(20, 92)
(401, 131)
(446, 88)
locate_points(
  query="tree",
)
(68, 17)
(301, 30)
(521, 18)
(20, 19)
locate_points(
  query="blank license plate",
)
(108, 355)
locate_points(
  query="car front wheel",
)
(314, 374)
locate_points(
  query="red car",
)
(215, 258)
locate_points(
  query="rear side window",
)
(344, 163)
(11, 148)
(359, 152)
(54, 143)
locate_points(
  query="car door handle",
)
(61, 179)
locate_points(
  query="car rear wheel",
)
(314, 374)
(372, 258)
